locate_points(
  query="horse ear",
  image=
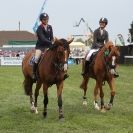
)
(109, 45)
(55, 40)
(70, 40)
(118, 47)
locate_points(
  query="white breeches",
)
(90, 53)
(37, 55)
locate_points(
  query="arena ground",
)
(15, 116)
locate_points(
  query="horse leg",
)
(59, 96)
(99, 82)
(96, 92)
(27, 84)
(84, 87)
(45, 102)
(38, 86)
(112, 93)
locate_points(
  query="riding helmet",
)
(43, 16)
(103, 20)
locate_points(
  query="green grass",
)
(15, 116)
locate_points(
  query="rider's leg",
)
(35, 64)
(85, 69)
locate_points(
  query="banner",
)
(10, 61)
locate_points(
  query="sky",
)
(64, 14)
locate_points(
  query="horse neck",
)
(101, 54)
(52, 56)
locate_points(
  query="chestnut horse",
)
(100, 70)
(50, 71)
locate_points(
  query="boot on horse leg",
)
(85, 68)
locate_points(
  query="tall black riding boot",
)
(86, 68)
(34, 76)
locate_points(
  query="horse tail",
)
(27, 85)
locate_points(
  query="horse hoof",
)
(103, 110)
(96, 106)
(108, 106)
(32, 110)
(61, 117)
(45, 114)
(36, 112)
(85, 103)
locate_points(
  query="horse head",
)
(62, 49)
(112, 54)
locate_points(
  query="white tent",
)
(77, 45)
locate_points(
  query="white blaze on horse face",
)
(66, 56)
(65, 65)
(113, 64)
(113, 60)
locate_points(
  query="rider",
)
(45, 40)
(100, 37)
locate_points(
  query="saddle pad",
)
(32, 60)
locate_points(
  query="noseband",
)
(107, 57)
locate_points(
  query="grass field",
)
(15, 116)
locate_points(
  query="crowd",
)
(12, 53)
(74, 53)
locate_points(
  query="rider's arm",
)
(95, 37)
(51, 33)
(107, 37)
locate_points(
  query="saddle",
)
(92, 58)
(32, 60)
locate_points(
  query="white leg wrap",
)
(96, 106)
(36, 111)
(32, 107)
(85, 102)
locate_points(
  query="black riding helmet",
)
(43, 16)
(103, 20)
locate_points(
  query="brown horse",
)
(100, 70)
(50, 71)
